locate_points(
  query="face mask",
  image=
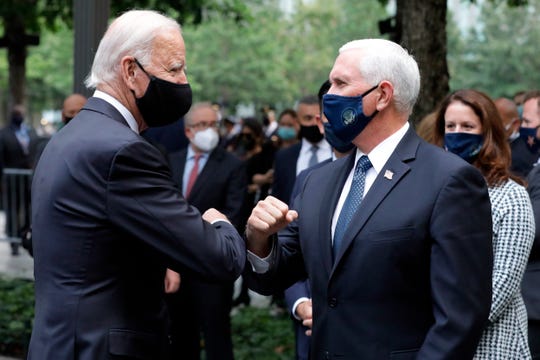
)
(529, 136)
(17, 119)
(206, 140)
(164, 102)
(346, 116)
(464, 145)
(334, 141)
(246, 142)
(311, 133)
(286, 133)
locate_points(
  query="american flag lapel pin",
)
(388, 174)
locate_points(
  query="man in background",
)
(209, 177)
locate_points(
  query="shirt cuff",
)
(262, 265)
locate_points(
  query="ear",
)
(386, 94)
(128, 70)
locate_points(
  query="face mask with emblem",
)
(345, 115)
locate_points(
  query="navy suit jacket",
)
(530, 287)
(285, 172)
(107, 220)
(222, 183)
(412, 279)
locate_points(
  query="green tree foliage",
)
(274, 58)
(499, 55)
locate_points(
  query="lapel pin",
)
(388, 174)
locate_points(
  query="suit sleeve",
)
(143, 201)
(296, 291)
(460, 267)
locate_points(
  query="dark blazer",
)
(285, 171)
(300, 288)
(107, 220)
(11, 151)
(412, 279)
(530, 286)
(222, 183)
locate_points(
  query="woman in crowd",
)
(468, 124)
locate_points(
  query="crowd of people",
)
(382, 240)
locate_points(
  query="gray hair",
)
(188, 118)
(133, 33)
(385, 60)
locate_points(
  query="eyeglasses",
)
(205, 125)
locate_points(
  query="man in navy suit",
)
(220, 183)
(108, 218)
(313, 149)
(408, 274)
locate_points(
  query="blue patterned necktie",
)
(313, 159)
(352, 201)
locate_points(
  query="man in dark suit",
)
(530, 286)
(398, 250)
(220, 182)
(18, 144)
(107, 216)
(313, 149)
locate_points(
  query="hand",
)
(172, 281)
(268, 217)
(304, 311)
(212, 215)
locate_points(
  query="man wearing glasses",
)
(209, 177)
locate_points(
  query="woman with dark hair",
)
(468, 124)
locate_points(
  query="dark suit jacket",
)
(285, 171)
(222, 183)
(412, 279)
(300, 288)
(11, 151)
(107, 220)
(530, 287)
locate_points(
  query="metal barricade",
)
(16, 186)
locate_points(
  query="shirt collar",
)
(322, 145)
(121, 109)
(191, 153)
(382, 152)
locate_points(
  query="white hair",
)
(385, 60)
(133, 33)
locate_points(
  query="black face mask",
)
(17, 119)
(164, 102)
(247, 142)
(311, 133)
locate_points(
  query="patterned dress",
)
(505, 336)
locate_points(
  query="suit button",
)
(332, 302)
(326, 355)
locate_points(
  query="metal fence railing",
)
(16, 185)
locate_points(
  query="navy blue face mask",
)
(346, 116)
(529, 137)
(464, 145)
(334, 141)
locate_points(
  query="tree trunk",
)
(422, 28)
(16, 52)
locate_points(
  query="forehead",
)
(169, 47)
(204, 114)
(307, 109)
(346, 66)
(460, 112)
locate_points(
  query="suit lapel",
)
(328, 205)
(207, 172)
(383, 185)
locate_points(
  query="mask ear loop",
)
(140, 66)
